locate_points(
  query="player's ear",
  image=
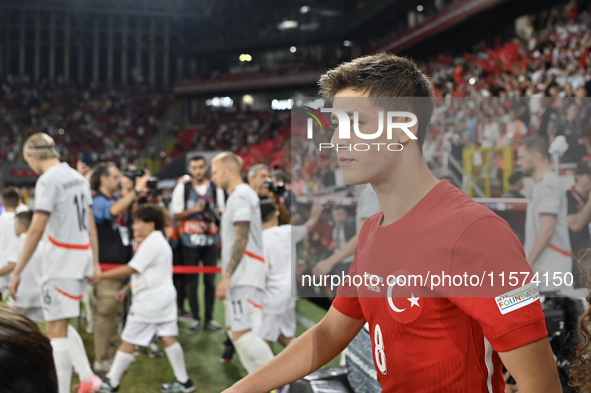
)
(403, 137)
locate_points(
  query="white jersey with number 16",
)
(64, 194)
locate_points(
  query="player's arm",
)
(547, 225)
(7, 269)
(31, 241)
(93, 236)
(577, 221)
(118, 272)
(539, 376)
(324, 267)
(238, 248)
(314, 216)
(306, 354)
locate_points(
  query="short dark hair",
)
(100, 169)
(268, 210)
(515, 177)
(27, 355)
(25, 218)
(150, 213)
(279, 175)
(198, 158)
(537, 143)
(339, 207)
(385, 75)
(11, 197)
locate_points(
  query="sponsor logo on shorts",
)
(517, 298)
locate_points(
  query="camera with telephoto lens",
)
(215, 217)
(277, 189)
(133, 173)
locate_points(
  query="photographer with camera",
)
(260, 181)
(111, 213)
(192, 206)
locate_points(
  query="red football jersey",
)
(445, 339)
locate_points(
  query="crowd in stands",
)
(548, 57)
(95, 123)
(256, 136)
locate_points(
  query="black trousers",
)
(208, 255)
(179, 279)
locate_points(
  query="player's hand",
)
(199, 207)
(122, 294)
(316, 210)
(508, 387)
(322, 268)
(221, 291)
(13, 284)
(184, 179)
(96, 277)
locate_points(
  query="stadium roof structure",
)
(208, 26)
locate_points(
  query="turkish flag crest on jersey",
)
(404, 296)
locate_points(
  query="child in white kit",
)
(29, 297)
(153, 310)
(10, 201)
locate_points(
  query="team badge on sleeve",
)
(517, 298)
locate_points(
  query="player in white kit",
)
(10, 200)
(29, 294)
(279, 316)
(243, 264)
(63, 217)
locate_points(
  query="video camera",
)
(152, 184)
(277, 189)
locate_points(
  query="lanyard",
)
(576, 196)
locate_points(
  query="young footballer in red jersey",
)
(455, 342)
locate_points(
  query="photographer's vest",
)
(198, 230)
(114, 238)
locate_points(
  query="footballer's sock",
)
(63, 363)
(229, 340)
(78, 355)
(253, 351)
(120, 364)
(176, 357)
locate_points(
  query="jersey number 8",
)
(379, 355)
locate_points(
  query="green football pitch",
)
(202, 353)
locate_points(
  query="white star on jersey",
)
(414, 301)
